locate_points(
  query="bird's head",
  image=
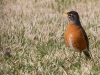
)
(73, 17)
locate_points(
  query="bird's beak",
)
(65, 13)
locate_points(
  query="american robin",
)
(75, 36)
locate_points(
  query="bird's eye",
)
(70, 15)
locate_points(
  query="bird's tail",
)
(86, 53)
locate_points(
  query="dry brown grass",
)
(33, 31)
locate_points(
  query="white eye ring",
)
(71, 14)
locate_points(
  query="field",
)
(33, 31)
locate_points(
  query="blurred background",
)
(31, 37)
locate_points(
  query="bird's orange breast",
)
(75, 34)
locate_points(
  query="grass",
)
(33, 31)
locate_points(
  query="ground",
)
(33, 31)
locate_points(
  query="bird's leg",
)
(74, 54)
(80, 56)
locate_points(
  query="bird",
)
(75, 36)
